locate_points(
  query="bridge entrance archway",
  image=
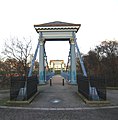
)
(57, 31)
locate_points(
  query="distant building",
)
(56, 65)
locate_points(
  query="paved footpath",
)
(57, 95)
(59, 102)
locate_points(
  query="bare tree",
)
(18, 51)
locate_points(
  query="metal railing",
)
(49, 75)
(22, 89)
(93, 88)
(65, 75)
(112, 80)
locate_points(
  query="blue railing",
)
(65, 75)
(49, 75)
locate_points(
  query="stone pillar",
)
(45, 64)
(61, 68)
(41, 60)
(73, 62)
(53, 67)
(69, 66)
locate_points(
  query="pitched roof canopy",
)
(56, 25)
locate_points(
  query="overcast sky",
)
(98, 19)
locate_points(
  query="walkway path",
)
(59, 102)
(57, 95)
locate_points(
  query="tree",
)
(107, 49)
(103, 60)
(19, 52)
(1, 66)
(92, 63)
(109, 55)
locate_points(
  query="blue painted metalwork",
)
(49, 75)
(92, 90)
(44, 61)
(33, 61)
(93, 93)
(41, 60)
(80, 58)
(73, 63)
(68, 64)
(65, 75)
(69, 72)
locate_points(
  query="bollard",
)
(50, 81)
(63, 82)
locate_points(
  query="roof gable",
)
(56, 23)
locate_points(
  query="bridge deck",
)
(57, 95)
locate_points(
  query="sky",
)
(98, 19)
